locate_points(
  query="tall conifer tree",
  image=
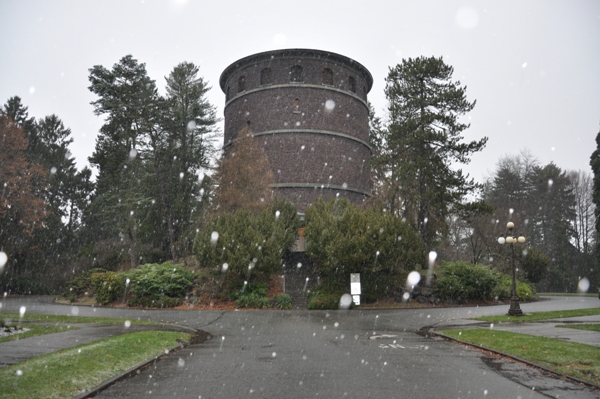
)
(423, 142)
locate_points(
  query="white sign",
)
(356, 299)
(355, 288)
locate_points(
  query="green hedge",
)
(252, 244)
(108, 286)
(461, 282)
(343, 238)
(159, 280)
(162, 302)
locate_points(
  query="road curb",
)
(516, 358)
(197, 336)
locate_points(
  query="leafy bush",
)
(318, 300)
(108, 286)
(81, 283)
(252, 300)
(162, 302)
(503, 289)
(155, 281)
(525, 292)
(252, 244)
(343, 238)
(283, 302)
(461, 282)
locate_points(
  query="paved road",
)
(335, 354)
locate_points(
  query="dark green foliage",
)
(321, 297)
(503, 290)
(415, 156)
(462, 282)
(148, 302)
(283, 302)
(108, 286)
(159, 280)
(535, 265)
(525, 292)
(251, 295)
(252, 300)
(17, 285)
(149, 154)
(343, 238)
(252, 244)
(543, 202)
(81, 284)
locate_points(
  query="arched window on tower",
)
(296, 106)
(327, 77)
(265, 76)
(296, 74)
(352, 84)
(242, 83)
(227, 94)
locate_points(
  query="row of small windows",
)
(295, 77)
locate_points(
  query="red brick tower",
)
(309, 110)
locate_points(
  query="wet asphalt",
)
(299, 354)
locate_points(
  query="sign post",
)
(355, 290)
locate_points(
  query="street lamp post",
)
(515, 309)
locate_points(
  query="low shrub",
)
(461, 282)
(318, 300)
(252, 300)
(108, 286)
(283, 302)
(525, 292)
(160, 280)
(81, 283)
(503, 289)
(162, 302)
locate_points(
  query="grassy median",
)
(69, 372)
(49, 318)
(537, 316)
(577, 360)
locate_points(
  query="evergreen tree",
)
(422, 143)
(181, 150)
(129, 100)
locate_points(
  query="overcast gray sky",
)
(533, 66)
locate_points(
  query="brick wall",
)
(315, 133)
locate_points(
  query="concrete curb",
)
(518, 359)
(197, 337)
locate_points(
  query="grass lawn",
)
(556, 314)
(577, 360)
(590, 327)
(36, 329)
(15, 318)
(69, 372)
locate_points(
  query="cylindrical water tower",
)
(309, 110)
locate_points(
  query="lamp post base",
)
(515, 309)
